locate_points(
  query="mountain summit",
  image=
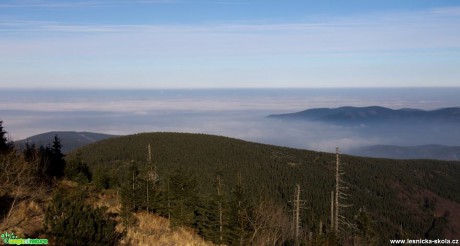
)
(374, 114)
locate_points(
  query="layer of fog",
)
(238, 114)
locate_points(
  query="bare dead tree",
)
(270, 224)
(298, 204)
(169, 202)
(17, 178)
(134, 200)
(320, 232)
(219, 204)
(152, 175)
(241, 211)
(340, 196)
(332, 210)
(337, 192)
(297, 213)
(149, 162)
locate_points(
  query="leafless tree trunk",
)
(320, 227)
(297, 214)
(134, 200)
(332, 210)
(219, 195)
(152, 175)
(147, 195)
(16, 177)
(149, 162)
(270, 224)
(169, 202)
(340, 194)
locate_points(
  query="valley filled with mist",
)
(238, 113)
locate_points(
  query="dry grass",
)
(69, 184)
(154, 230)
(150, 229)
(108, 199)
(28, 216)
(28, 213)
(26, 219)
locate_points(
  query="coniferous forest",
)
(207, 182)
(233, 192)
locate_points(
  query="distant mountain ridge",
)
(374, 114)
(70, 140)
(431, 151)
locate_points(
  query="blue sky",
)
(228, 44)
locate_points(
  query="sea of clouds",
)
(237, 113)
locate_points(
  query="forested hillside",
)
(202, 181)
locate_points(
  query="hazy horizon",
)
(238, 113)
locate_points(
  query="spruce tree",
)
(183, 189)
(51, 162)
(241, 207)
(5, 146)
(76, 169)
(29, 152)
(130, 191)
(57, 165)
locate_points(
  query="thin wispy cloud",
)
(448, 11)
(75, 4)
(324, 51)
(401, 29)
